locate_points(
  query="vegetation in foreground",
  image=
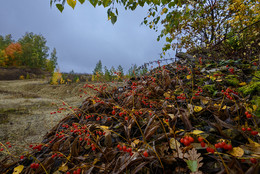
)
(202, 118)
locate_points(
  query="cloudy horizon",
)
(84, 35)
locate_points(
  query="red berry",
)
(182, 140)
(249, 129)
(243, 129)
(228, 147)
(191, 139)
(217, 145)
(166, 120)
(200, 139)
(21, 157)
(254, 132)
(246, 113)
(129, 150)
(248, 116)
(253, 160)
(126, 118)
(145, 153)
(124, 148)
(113, 112)
(186, 142)
(202, 144)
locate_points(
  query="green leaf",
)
(60, 7)
(113, 19)
(106, 3)
(93, 2)
(81, 1)
(72, 3)
(192, 165)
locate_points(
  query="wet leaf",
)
(237, 152)
(18, 169)
(197, 108)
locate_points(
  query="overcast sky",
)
(84, 35)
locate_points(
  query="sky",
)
(84, 35)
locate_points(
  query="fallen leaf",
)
(237, 152)
(174, 144)
(197, 108)
(188, 77)
(197, 132)
(172, 116)
(63, 168)
(18, 169)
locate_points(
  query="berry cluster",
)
(249, 129)
(125, 149)
(181, 96)
(223, 145)
(187, 140)
(231, 70)
(199, 91)
(248, 115)
(78, 171)
(35, 165)
(228, 92)
(202, 143)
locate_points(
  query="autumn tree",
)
(13, 53)
(51, 63)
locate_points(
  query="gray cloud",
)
(84, 35)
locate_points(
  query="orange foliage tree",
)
(13, 52)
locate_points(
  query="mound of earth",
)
(14, 73)
(180, 118)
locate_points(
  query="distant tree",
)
(107, 74)
(121, 70)
(52, 63)
(5, 41)
(112, 72)
(35, 51)
(98, 68)
(132, 71)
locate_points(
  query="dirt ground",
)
(25, 107)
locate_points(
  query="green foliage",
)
(252, 88)
(210, 88)
(232, 80)
(98, 68)
(35, 51)
(52, 63)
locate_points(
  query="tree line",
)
(115, 74)
(29, 51)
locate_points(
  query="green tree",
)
(5, 41)
(112, 72)
(120, 70)
(98, 69)
(35, 51)
(107, 74)
(132, 71)
(52, 63)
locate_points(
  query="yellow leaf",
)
(204, 101)
(255, 144)
(18, 169)
(63, 168)
(167, 94)
(242, 83)
(95, 161)
(172, 116)
(104, 127)
(237, 152)
(174, 144)
(72, 3)
(197, 132)
(188, 77)
(254, 107)
(197, 108)
(224, 107)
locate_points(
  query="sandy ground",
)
(25, 107)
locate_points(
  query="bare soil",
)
(25, 107)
